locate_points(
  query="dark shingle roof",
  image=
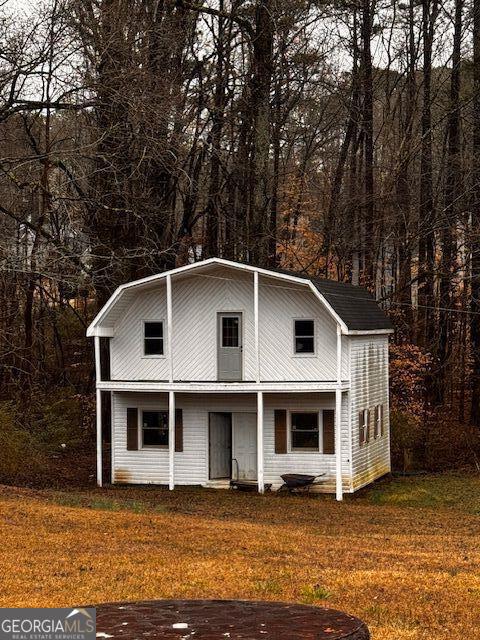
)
(355, 305)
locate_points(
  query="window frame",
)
(224, 315)
(378, 428)
(163, 338)
(141, 444)
(309, 450)
(365, 427)
(304, 354)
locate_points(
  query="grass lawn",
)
(403, 555)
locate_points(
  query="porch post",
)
(261, 485)
(171, 394)
(256, 326)
(171, 440)
(98, 377)
(338, 419)
(169, 327)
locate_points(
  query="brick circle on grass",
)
(225, 620)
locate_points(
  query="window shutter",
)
(328, 431)
(178, 430)
(280, 431)
(376, 431)
(368, 425)
(382, 427)
(132, 429)
(361, 430)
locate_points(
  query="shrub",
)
(437, 444)
(40, 436)
(406, 441)
(408, 370)
(60, 423)
(21, 452)
(449, 444)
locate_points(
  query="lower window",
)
(155, 428)
(304, 431)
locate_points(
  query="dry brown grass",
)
(409, 572)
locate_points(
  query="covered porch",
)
(217, 436)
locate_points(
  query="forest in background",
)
(337, 138)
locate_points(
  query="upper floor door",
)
(229, 346)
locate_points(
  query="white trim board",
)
(219, 387)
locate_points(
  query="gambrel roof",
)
(353, 307)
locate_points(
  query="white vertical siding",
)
(196, 302)
(126, 347)
(136, 467)
(347, 480)
(296, 461)
(369, 387)
(280, 304)
(191, 465)
(150, 465)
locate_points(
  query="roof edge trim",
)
(189, 267)
(367, 332)
(94, 329)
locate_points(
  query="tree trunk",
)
(404, 281)
(262, 70)
(348, 140)
(369, 195)
(276, 132)
(475, 231)
(450, 215)
(44, 207)
(213, 201)
(426, 229)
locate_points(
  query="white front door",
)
(245, 445)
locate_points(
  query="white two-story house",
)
(219, 370)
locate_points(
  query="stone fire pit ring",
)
(224, 620)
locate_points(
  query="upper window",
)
(155, 428)
(230, 331)
(304, 336)
(153, 339)
(305, 431)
